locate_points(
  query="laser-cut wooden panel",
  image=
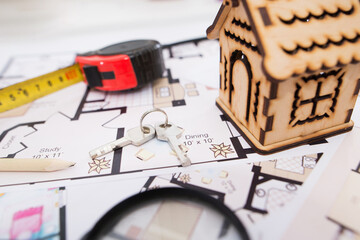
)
(286, 67)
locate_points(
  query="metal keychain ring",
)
(147, 130)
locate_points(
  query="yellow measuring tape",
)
(29, 90)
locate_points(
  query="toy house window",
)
(315, 97)
(164, 92)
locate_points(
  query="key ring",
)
(145, 129)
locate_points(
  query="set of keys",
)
(139, 135)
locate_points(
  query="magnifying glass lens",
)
(170, 214)
(173, 219)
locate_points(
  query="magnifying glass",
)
(168, 213)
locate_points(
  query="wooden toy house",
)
(289, 70)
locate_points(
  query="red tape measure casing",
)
(122, 66)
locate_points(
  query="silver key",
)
(171, 134)
(134, 136)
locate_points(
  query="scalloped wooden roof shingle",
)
(297, 36)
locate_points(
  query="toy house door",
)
(240, 86)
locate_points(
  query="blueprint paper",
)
(32, 214)
(69, 123)
(333, 203)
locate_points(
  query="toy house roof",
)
(300, 36)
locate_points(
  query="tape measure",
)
(122, 66)
(32, 89)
